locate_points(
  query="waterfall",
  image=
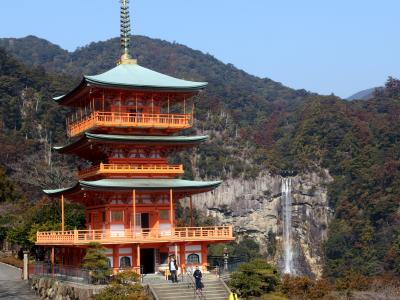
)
(286, 202)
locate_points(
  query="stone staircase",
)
(214, 288)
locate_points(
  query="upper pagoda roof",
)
(134, 76)
(139, 184)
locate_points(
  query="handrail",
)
(131, 168)
(225, 285)
(118, 119)
(141, 235)
(153, 292)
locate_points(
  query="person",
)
(173, 268)
(197, 276)
(233, 296)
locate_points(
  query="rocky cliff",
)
(254, 208)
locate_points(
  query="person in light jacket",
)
(173, 268)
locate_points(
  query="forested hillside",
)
(359, 143)
(254, 123)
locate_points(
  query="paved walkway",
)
(11, 285)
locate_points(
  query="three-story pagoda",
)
(126, 123)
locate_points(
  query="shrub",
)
(255, 278)
(353, 281)
(305, 288)
(117, 291)
(124, 286)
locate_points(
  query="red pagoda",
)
(125, 122)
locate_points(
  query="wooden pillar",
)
(115, 259)
(204, 256)
(52, 260)
(134, 211)
(152, 105)
(138, 256)
(171, 208)
(182, 252)
(62, 212)
(192, 117)
(103, 100)
(108, 218)
(191, 211)
(133, 249)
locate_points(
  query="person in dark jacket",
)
(197, 276)
(173, 268)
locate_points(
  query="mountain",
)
(343, 156)
(363, 95)
(229, 88)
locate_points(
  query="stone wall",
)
(254, 208)
(52, 289)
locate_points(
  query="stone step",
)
(183, 285)
(208, 291)
(192, 296)
(214, 289)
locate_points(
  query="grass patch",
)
(274, 296)
(11, 260)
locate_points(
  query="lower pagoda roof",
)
(122, 185)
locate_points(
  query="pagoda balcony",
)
(99, 119)
(178, 234)
(131, 170)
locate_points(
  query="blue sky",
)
(325, 46)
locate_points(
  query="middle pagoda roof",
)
(132, 76)
(84, 145)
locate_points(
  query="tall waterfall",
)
(286, 202)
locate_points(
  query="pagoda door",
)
(145, 223)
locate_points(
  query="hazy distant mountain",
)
(362, 95)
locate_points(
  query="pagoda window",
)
(117, 216)
(109, 262)
(138, 220)
(144, 199)
(125, 262)
(142, 154)
(193, 259)
(103, 216)
(155, 154)
(163, 258)
(134, 154)
(164, 214)
(119, 153)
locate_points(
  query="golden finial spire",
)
(125, 34)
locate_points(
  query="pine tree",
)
(96, 262)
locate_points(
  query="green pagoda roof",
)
(136, 77)
(139, 184)
(88, 138)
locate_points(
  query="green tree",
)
(96, 262)
(255, 278)
(8, 192)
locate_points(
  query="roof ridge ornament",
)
(125, 24)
